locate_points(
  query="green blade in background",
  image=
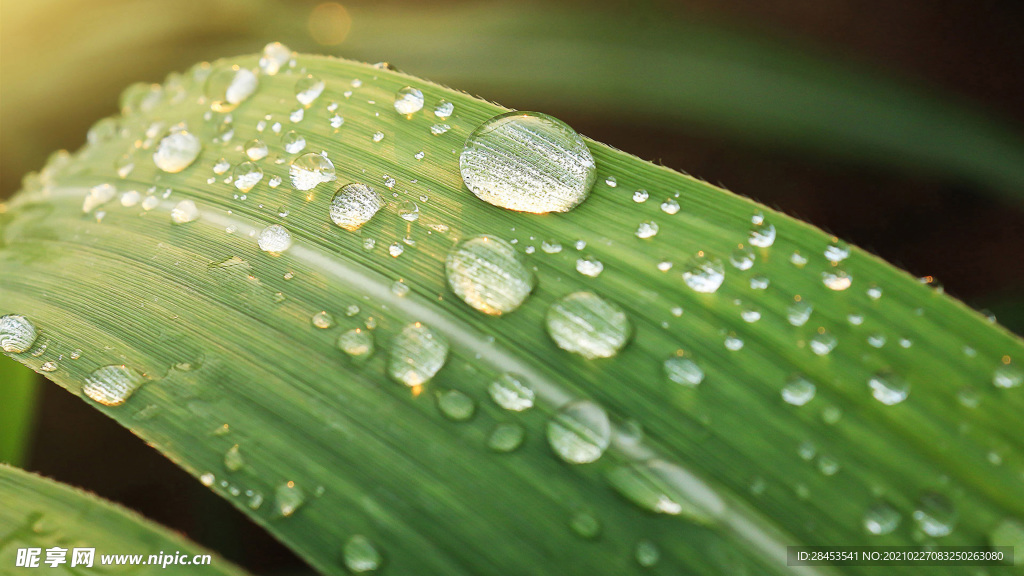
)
(242, 390)
(41, 513)
(19, 390)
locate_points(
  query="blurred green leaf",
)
(19, 390)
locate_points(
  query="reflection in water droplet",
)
(308, 89)
(229, 86)
(274, 239)
(529, 162)
(112, 385)
(837, 280)
(184, 212)
(704, 275)
(588, 325)
(511, 393)
(309, 170)
(683, 371)
(762, 235)
(17, 333)
(361, 555)
(354, 205)
(580, 432)
(444, 109)
(417, 354)
(323, 320)
(246, 175)
(408, 100)
(935, 515)
(881, 518)
(589, 266)
(456, 405)
(489, 274)
(357, 343)
(176, 151)
(888, 388)
(506, 437)
(288, 498)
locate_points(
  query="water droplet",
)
(297, 115)
(256, 149)
(184, 212)
(589, 266)
(246, 175)
(417, 354)
(823, 343)
(665, 265)
(1007, 376)
(130, 198)
(876, 340)
(310, 169)
(874, 292)
(488, 274)
(17, 334)
(935, 515)
(762, 235)
(529, 162)
(49, 366)
(704, 275)
(551, 246)
(377, 136)
(733, 343)
(506, 437)
(361, 555)
(588, 325)
(683, 371)
(357, 343)
(759, 282)
(98, 195)
(275, 56)
(124, 165)
(640, 196)
(176, 151)
(444, 109)
(665, 488)
(288, 498)
(742, 258)
(112, 385)
(354, 205)
(207, 479)
(828, 465)
(837, 280)
(438, 129)
(888, 388)
(229, 86)
(647, 229)
(580, 432)
(670, 206)
(750, 314)
(798, 390)
(585, 524)
(409, 211)
(308, 89)
(799, 313)
(408, 101)
(837, 252)
(233, 460)
(456, 405)
(323, 320)
(396, 249)
(150, 202)
(511, 393)
(221, 166)
(293, 142)
(275, 239)
(881, 518)
(647, 553)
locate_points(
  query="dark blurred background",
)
(640, 69)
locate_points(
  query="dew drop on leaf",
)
(354, 205)
(112, 385)
(798, 390)
(184, 212)
(229, 86)
(488, 273)
(310, 169)
(683, 371)
(888, 388)
(275, 56)
(881, 518)
(511, 392)
(703, 274)
(308, 89)
(17, 333)
(357, 343)
(646, 553)
(456, 405)
(288, 498)
(417, 354)
(233, 460)
(580, 432)
(176, 151)
(588, 325)
(935, 515)
(361, 555)
(408, 101)
(274, 239)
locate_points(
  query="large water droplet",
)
(112, 385)
(511, 393)
(580, 432)
(408, 100)
(229, 86)
(529, 162)
(361, 555)
(184, 212)
(588, 325)
(488, 274)
(703, 274)
(309, 170)
(177, 151)
(683, 371)
(354, 205)
(935, 515)
(762, 235)
(444, 109)
(274, 239)
(881, 518)
(888, 388)
(666, 488)
(17, 333)
(246, 175)
(287, 498)
(275, 56)
(417, 354)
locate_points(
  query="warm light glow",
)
(1006, 359)
(329, 24)
(416, 390)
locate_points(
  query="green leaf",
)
(19, 389)
(41, 513)
(241, 382)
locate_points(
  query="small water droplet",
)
(293, 142)
(396, 249)
(1007, 376)
(647, 229)
(888, 388)
(361, 555)
(798, 390)
(588, 325)
(640, 196)
(337, 121)
(408, 101)
(323, 320)
(444, 109)
(762, 235)
(935, 515)
(823, 343)
(489, 274)
(828, 465)
(177, 151)
(646, 553)
(274, 239)
(551, 246)
(759, 282)
(112, 385)
(308, 89)
(357, 343)
(354, 205)
(310, 169)
(837, 280)
(256, 149)
(184, 212)
(17, 334)
(580, 432)
(670, 206)
(799, 312)
(288, 498)
(683, 371)
(409, 211)
(130, 198)
(48, 366)
(734, 343)
(881, 518)
(229, 86)
(876, 340)
(585, 524)
(207, 479)
(275, 56)
(246, 175)
(233, 460)
(589, 266)
(742, 258)
(221, 166)
(506, 437)
(837, 252)
(665, 265)
(417, 354)
(874, 292)
(456, 405)
(511, 392)
(529, 162)
(703, 274)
